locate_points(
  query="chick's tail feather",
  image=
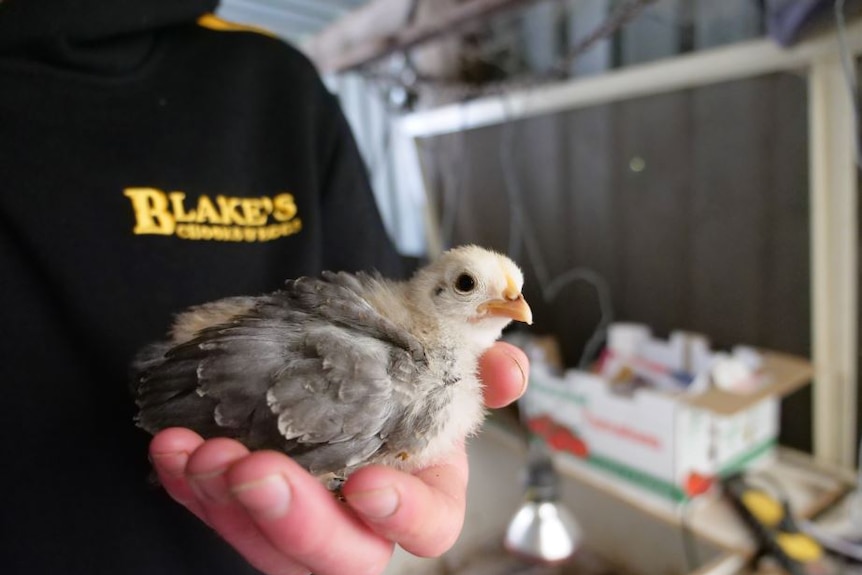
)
(167, 399)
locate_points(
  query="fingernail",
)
(524, 377)
(266, 498)
(375, 504)
(210, 487)
(173, 464)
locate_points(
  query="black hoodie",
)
(151, 157)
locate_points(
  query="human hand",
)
(284, 522)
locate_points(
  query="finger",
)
(206, 472)
(504, 370)
(424, 513)
(169, 451)
(303, 520)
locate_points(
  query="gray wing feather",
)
(338, 299)
(313, 370)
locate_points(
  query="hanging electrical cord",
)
(847, 66)
(453, 192)
(510, 184)
(606, 307)
(521, 232)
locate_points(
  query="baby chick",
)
(338, 371)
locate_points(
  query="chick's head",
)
(474, 291)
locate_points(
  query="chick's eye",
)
(465, 283)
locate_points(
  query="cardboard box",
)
(670, 443)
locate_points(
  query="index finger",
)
(504, 369)
(423, 512)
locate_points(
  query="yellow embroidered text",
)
(224, 218)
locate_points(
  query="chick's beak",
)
(513, 306)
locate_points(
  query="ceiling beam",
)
(376, 46)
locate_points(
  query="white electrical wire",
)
(453, 192)
(511, 185)
(521, 232)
